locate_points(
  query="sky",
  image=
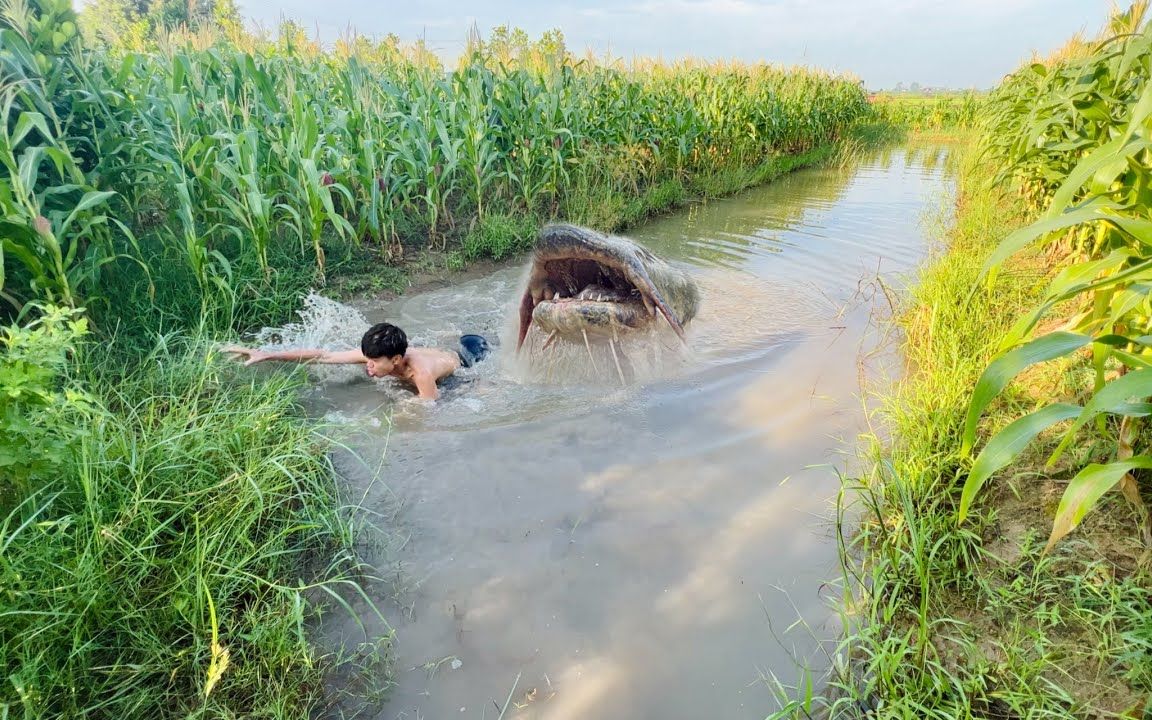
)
(940, 43)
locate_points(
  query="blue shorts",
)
(473, 349)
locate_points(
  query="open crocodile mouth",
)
(577, 297)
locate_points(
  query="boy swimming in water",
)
(385, 352)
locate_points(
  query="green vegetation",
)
(1028, 341)
(954, 111)
(1080, 155)
(154, 525)
(223, 162)
(135, 23)
(975, 620)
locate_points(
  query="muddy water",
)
(598, 550)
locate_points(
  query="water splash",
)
(324, 323)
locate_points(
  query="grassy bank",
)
(166, 534)
(993, 574)
(973, 620)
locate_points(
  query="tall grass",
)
(165, 556)
(219, 155)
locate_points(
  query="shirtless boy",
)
(384, 352)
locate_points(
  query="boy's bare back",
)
(426, 366)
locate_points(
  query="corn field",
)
(216, 154)
(1074, 136)
(958, 111)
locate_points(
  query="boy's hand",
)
(252, 355)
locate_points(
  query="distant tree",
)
(914, 87)
(368, 49)
(226, 15)
(294, 40)
(104, 22)
(130, 22)
(551, 46)
(507, 44)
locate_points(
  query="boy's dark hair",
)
(383, 340)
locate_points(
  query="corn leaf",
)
(998, 374)
(1116, 398)
(1006, 445)
(1085, 490)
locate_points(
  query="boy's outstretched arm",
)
(326, 357)
(426, 386)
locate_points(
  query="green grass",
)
(972, 620)
(499, 236)
(169, 560)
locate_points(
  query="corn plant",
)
(55, 239)
(1077, 135)
(220, 152)
(308, 182)
(470, 113)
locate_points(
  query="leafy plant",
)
(1076, 135)
(158, 558)
(42, 414)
